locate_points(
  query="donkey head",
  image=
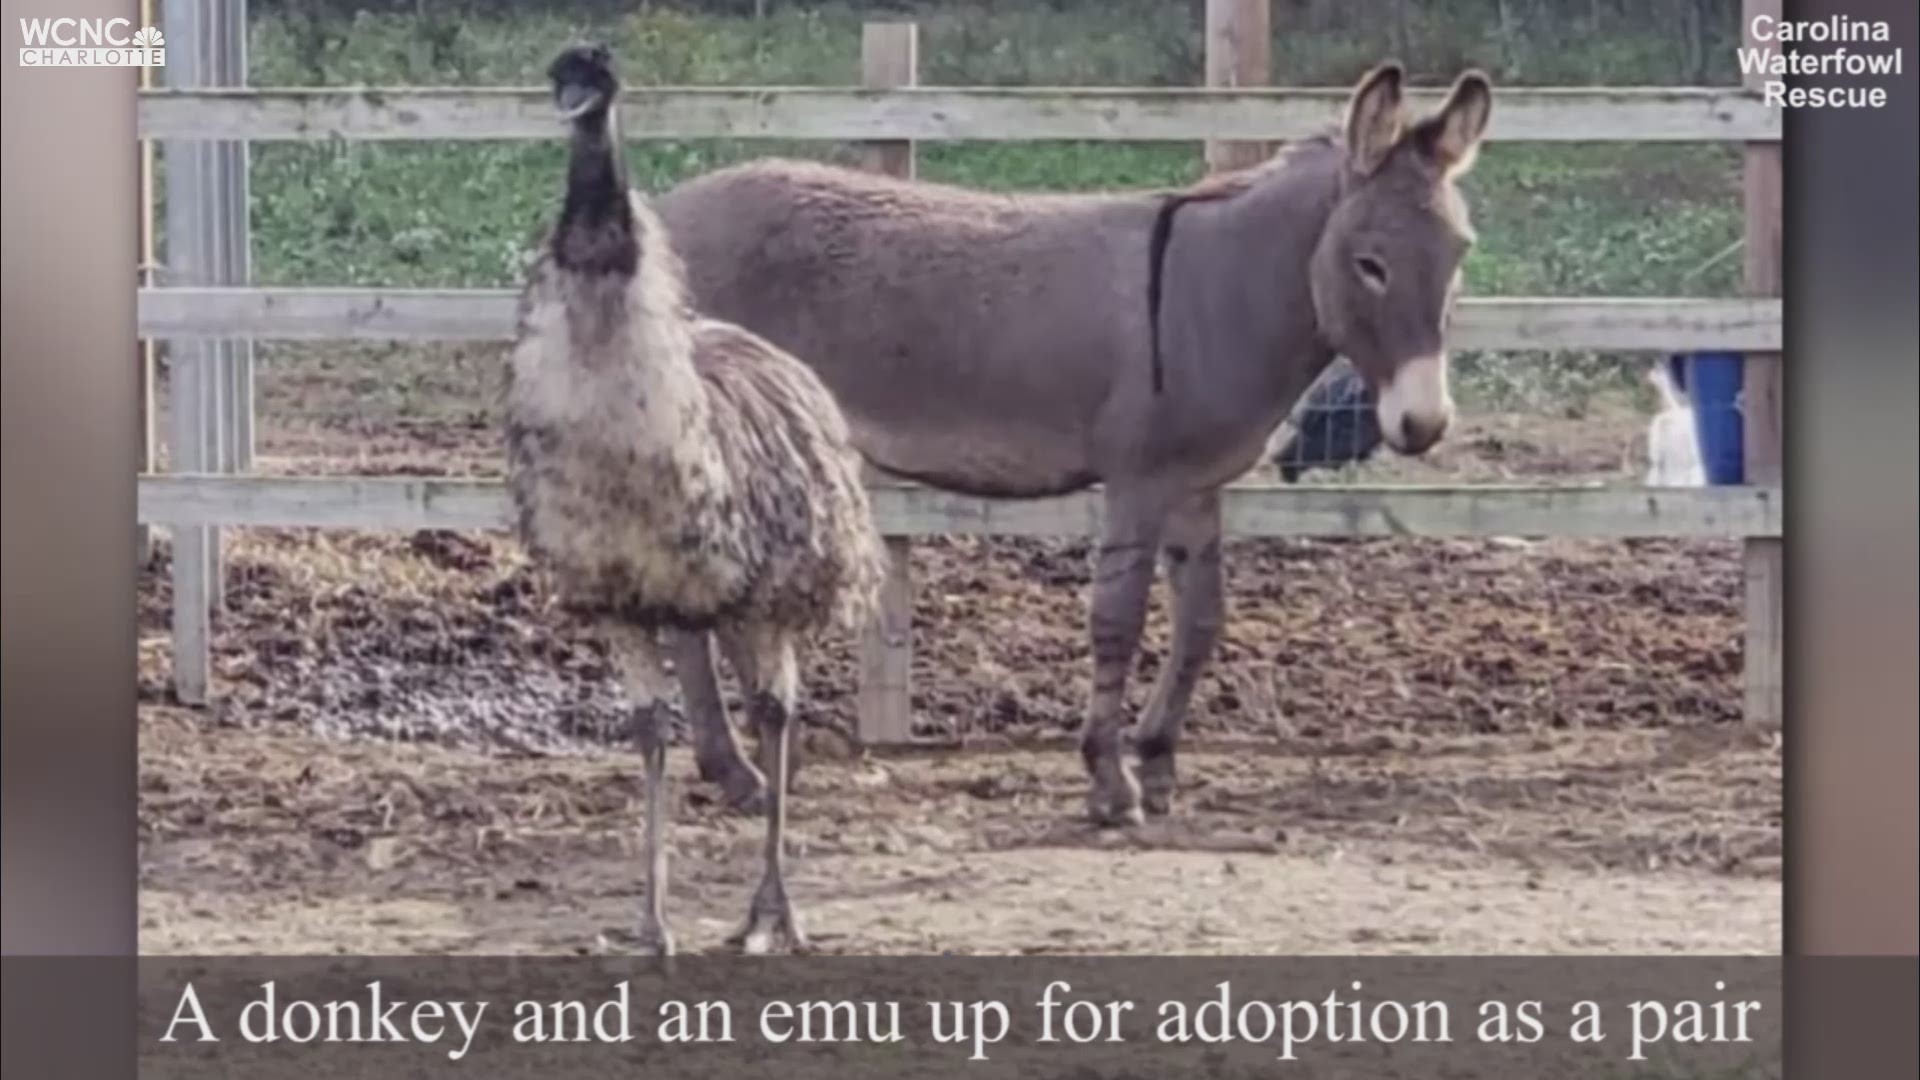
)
(1387, 265)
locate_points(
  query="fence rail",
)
(886, 116)
(1249, 510)
(1623, 324)
(1580, 114)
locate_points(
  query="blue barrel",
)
(1711, 381)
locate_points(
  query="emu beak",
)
(575, 101)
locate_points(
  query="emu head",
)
(584, 82)
(1387, 267)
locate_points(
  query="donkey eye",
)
(1372, 271)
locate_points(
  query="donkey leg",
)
(716, 749)
(1122, 578)
(637, 654)
(1192, 553)
(768, 667)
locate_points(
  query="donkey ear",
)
(1451, 137)
(1374, 117)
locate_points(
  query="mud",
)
(1413, 746)
(446, 638)
(1405, 748)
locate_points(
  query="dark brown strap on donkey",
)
(1213, 188)
(1156, 267)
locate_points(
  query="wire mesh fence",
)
(1690, 407)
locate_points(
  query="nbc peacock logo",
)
(68, 42)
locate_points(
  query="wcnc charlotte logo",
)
(90, 43)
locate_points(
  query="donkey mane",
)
(1218, 187)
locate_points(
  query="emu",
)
(1029, 345)
(676, 477)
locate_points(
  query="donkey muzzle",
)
(1415, 406)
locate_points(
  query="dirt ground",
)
(1405, 746)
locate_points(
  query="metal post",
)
(147, 456)
(212, 381)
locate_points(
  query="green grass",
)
(1587, 219)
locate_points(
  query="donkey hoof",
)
(796, 756)
(1157, 784)
(745, 791)
(743, 788)
(1110, 810)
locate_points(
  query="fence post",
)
(1239, 53)
(236, 252)
(146, 448)
(889, 57)
(211, 381)
(1761, 408)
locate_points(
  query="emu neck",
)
(596, 233)
(630, 340)
(1239, 284)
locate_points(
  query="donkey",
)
(1017, 346)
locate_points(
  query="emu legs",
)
(651, 734)
(767, 666)
(1192, 552)
(636, 653)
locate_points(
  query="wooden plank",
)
(1762, 400)
(347, 502)
(1615, 324)
(1764, 572)
(1239, 56)
(1568, 513)
(193, 443)
(884, 710)
(330, 313)
(1762, 397)
(207, 223)
(191, 621)
(235, 252)
(1526, 323)
(1571, 114)
(889, 59)
(1250, 509)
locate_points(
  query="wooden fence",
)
(1652, 114)
(214, 313)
